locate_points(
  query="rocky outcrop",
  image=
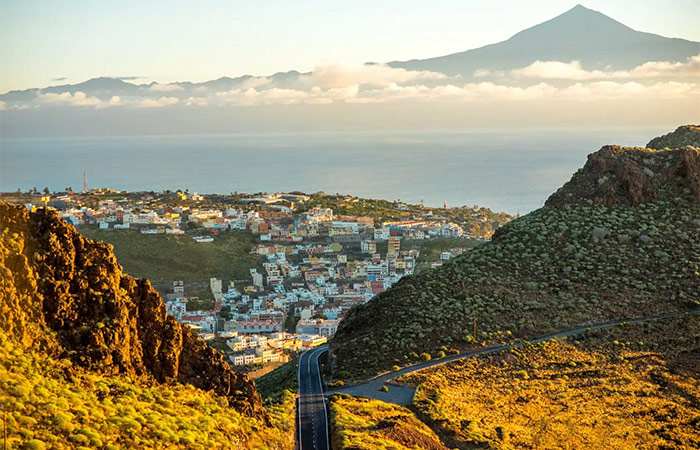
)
(67, 295)
(631, 176)
(683, 136)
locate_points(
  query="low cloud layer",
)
(573, 71)
(376, 83)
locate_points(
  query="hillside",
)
(64, 299)
(621, 239)
(629, 387)
(163, 258)
(52, 403)
(361, 423)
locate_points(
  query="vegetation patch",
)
(628, 387)
(52, 404)
(276, 385)
(360, 423)
(164, 258)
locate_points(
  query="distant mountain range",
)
(561, 70)
(580, 34)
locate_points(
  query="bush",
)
(425, 356)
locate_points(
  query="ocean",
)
(506, 170)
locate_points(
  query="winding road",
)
(312, 413)
(403, 395)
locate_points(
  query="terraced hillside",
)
(621, 239)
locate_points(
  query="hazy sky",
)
(55, 42)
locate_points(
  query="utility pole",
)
(474, 330)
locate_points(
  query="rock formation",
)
(66, 295)
(631, 176)
(683, 136)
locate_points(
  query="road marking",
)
(309, 405)
(320, 386)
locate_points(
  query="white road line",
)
(320, 385)
(311, 406)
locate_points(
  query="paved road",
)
(312, 415)
(403, 395)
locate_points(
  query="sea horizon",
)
(511, 170)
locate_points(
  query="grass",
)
(629, 387)
(360, 423)
(51, 404)
(164, 258)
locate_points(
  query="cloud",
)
(59, 79)
(335, 76)
(196, 101)
(691, 68)
(251, 96)
(158, 103)
(78, 99)
(383, 84)
(623, 90)
(165, 87)
(453, 93)
(574, 71)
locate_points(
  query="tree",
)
(225, 312)
(46, 190)
(290, 322)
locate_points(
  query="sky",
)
(46, 43)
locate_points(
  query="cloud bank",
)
(378, 83)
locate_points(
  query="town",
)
(317, 257)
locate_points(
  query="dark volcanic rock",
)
(631, 176)
(67, 295)
(683, 136)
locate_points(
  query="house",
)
(257, 277)
(310, 341)
(368, 246)
(381, 234)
